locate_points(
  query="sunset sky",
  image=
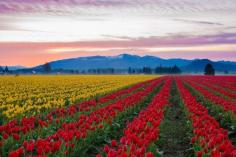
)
(33, 32)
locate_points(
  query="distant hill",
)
(124, 61)
(198, 65)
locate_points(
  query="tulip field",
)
(118, 116)
(29, 95)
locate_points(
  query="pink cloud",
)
(127, 42)
(33, 53)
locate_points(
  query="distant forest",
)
(46, 69)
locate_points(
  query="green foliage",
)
(175, 129)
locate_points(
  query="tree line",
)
(158, 70)
(208, 70)
(4, 70)
(46, 68)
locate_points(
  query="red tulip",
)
(5, 136)
(149, 154)
(16, 136)
(113, 143)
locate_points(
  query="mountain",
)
(227, 62)
(123, 61)
(198, 65)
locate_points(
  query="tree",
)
(112, 70)
(175, 70)
(209, 70)
(6, 70)
(147, 70)
(167, 70)
(47, 68)
(1, 69)
(130, 70)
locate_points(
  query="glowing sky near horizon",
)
(37, 31)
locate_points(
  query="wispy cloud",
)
(129, 42)
(32, 28)
(155, 5)
(54, 6)
(153, 41)
(199, 22)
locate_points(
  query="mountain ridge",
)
(125, 60)
(122, 61)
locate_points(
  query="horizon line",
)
(25, 66)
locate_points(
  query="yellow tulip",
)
(30, 95)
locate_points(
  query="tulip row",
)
(70, 134)
(209, 138)
(228, 105)
(225, 82)
(57, 116)
(217, 89)
(220, 106)
(143, 130)
(226, 119)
